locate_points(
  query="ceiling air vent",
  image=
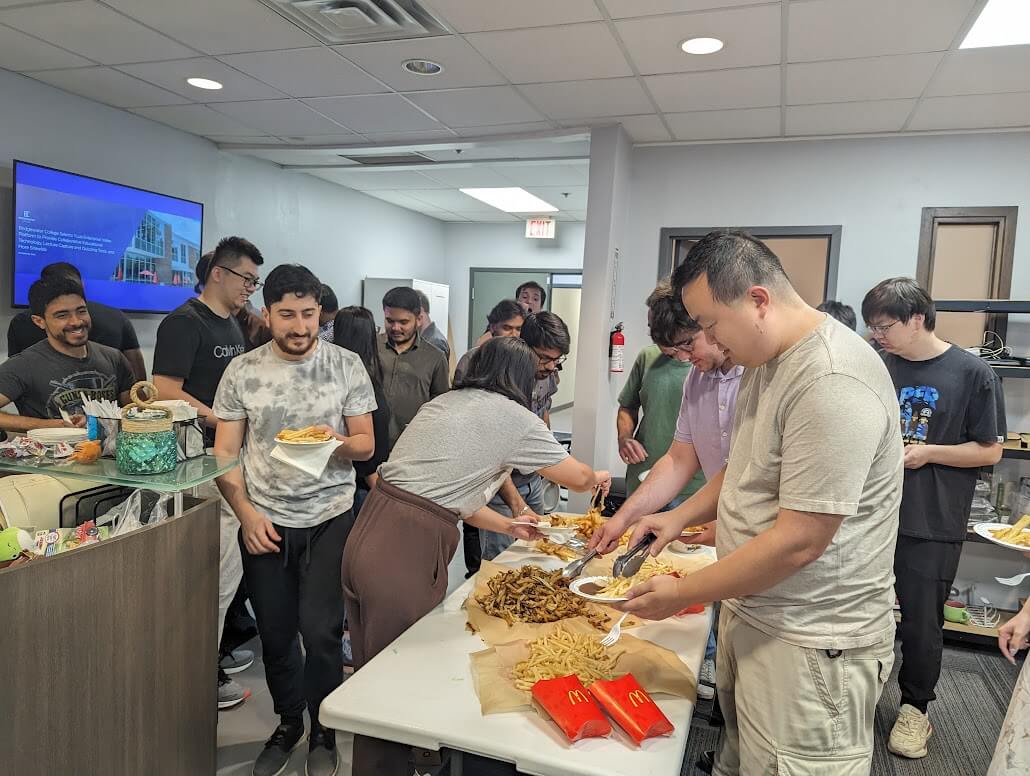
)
(359, 21)
(374, 160)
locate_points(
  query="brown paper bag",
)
(658, 670)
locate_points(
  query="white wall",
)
(502, 245)
(342, 235)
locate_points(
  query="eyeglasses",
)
(880, 329)
(548, 360)
(249, 281)
(684, 346)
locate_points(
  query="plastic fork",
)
(615, 632)
(1013, 581)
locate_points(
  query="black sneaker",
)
(706, 762)
(322, 758)
(276, 755)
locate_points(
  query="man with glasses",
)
(952, 423)
(195, 344)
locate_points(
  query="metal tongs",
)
(575, 568)
(629, 564)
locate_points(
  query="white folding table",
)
(419, 691)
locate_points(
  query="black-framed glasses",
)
(248, 281)
(557, 361)
(879, 330)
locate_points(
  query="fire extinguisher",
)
(616, 349)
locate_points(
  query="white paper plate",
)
(304, 443)
(984, 530)
(52, 436)
(577, 588)
(562, 533)
(683, 548)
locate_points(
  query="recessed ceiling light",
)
(423, 67)
(1000, 23)
(511, 200)
(701, 45)
(203, 83)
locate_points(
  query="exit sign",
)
(540, 228)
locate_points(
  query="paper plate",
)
(52, 436)
(596, 583)
(550, 531)
(984, 530)
(683, 548)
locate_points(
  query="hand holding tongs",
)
(629, 564)
(575, 568)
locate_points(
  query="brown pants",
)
(394, 573)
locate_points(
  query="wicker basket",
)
(146, 445)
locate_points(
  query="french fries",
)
(617, 587)
(309, 434)
(561, 653)
(1016, 534)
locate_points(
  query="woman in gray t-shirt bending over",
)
(445, 467)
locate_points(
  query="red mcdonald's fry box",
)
(631, 707)
(568, 703)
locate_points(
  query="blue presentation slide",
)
(136, 250)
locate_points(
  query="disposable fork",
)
(615, 632)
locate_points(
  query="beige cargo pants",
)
(792, 711)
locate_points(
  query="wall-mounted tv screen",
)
(136, 250)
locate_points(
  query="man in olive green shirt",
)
(655, 385)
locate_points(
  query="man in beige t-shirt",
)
(807, 518)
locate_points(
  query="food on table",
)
(569, 704)
(533, 595)
(86, 452)
(309, 434)
(561, 653)
(559, 551)
(617, 587)
(694, 529)
(1016, 534)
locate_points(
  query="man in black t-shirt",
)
(195, 344)
(952, 423)
(109, 325)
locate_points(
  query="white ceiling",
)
(790, 68)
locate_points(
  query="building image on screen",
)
(135, 249)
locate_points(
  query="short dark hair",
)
(669, 317)
(404, 298)
(504, 365)
(203, 269)
(900, 299)
(842, 312)
(291, 279)
(354, 328)
(61, 269)
(546, 330)
(46, 290)
(230, 251)
(532, 284)
(423, 300)
(328, 300)
(732, 262)
(505, 310)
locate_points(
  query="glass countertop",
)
(188, 474)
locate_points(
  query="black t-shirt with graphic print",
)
(947, 400)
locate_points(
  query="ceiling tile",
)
(462, 64)
(90, 29)
(252, 138)
(641, 129)
(198, 119)
(451, 199)
(495, 217)
(220, 27)
(841, 29)
(582, 99)
(386, 180)
(340, 137)
(754, 87)
(976, 111)
(414, 138)
(505, 129)
(444, 215)
(109, 86)
(567, 175)
(725, 124)
(981, 71)
(465, 16)
(848, 117)
(19, 52)
(373, 113)
(398, 198)
(477, 106)
(279, 117)
(553, 53)
(289, 155)
(172, 76)
(850, 80)
(622, 9)
(472, 176)
(308, 72)
(555, 195)
(751, 35)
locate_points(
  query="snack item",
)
(617, 587)
(1016, 534)
(560, 653)
(694, 529)
(631, 707)
(308, 434)
(567, 702)
(531, 594)
(559, 551)
(86, 452)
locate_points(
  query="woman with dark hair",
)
(354, 328)
(448, 463)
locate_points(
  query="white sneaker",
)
(706, 683)
(910, 734)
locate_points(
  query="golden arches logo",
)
(577, 696)
(639, 698)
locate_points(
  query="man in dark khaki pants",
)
(807, 517)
